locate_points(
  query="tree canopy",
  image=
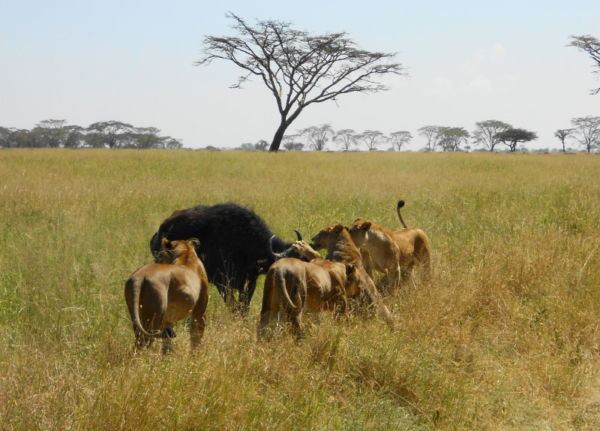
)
(318, 136)
(591, 46)
(400, 138)
(371, 138)
(486, 132)
(512, 137)
(346, 138)
(562, 135)
(451, 138)
(587, 131)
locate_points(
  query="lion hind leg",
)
(393, 280)
(295, 314)
(423, 257)
(295, 319)
(269, 310)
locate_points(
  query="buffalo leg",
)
(248, 292)
(220, 284)
(224, 282)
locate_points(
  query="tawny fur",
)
(293, 286)
(160, 294)
(340, 248)
(393, 252)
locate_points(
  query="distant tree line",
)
(319, 138)
(105, 134)
(489, 135)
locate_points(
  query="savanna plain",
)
(506, 336)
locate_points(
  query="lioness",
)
(293, 286)
(160, 294)
(340, 248)
(393, 252)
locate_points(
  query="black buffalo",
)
(235, 246)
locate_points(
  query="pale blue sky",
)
(133, 61)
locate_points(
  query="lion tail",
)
(134, 284)
(400, 205)
(281, 285)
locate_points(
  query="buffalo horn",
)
(275, 255)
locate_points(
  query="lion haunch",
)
(160, 294)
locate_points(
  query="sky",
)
(133, 61)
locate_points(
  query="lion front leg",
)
(406, 273)
(367, 262)
(396, 278)
(198, 319)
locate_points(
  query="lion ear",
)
(194, 241)
(366, 225)
(350, 268)
(164, 242)
(338, 228)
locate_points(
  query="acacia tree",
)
(431, 133)
(591, 45)
(318, 136)
(451, 138)
(562, 135)
(110, 132)
(512, 137)
(371, 138)
(290, 143)
(298, 68)
(50, 133)
(143, 138)
(400, 139)
(261, 145)
(171, 143)
(346, 138)
(587, 130)
(486, 131)
(74, 136)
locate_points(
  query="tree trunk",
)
(276, 142)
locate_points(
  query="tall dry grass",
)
(506, 337)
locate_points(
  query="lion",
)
(160, 294)
(393, 252)
(341, 248)
(306, 283)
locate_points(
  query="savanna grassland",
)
(507, 336)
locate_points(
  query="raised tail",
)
(400, 205)
(135, 285)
